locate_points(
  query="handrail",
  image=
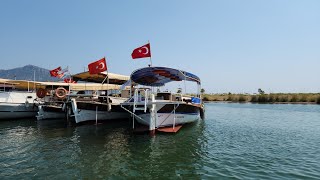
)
(137, 96)
(146, 100)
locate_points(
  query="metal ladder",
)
(137, 99)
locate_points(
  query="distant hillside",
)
(27, 73)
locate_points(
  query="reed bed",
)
(313, 98)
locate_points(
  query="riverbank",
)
(277, 98)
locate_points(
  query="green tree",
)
(202, 91)
(260, 91)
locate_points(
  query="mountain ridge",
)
(27, 72)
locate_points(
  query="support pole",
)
(174, 116)
(153, 116)
(132, 121)
(34, 80)
(96, 115)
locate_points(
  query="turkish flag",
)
(141, 52)
(55, 72)
(69, 80)
(97, 66)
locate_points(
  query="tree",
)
(260, 91)
(202, 91)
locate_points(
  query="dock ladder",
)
(138, 99)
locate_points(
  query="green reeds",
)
(266, 98)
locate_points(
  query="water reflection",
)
(234, 141)
(167, 155)
(53, 149)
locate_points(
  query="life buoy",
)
(61, 92)
(41, 93)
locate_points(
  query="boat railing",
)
(188, 98)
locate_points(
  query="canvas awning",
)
(4, 80)
(22, 84)
(98, 78)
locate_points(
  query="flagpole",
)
(107, 86)
(69, 73)
(34, 80)
(150, 54)
(106, 78)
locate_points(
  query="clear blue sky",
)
(232, 45)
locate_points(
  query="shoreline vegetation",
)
(276, 98)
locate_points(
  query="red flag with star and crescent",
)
(55, 72)
(141, 52)
(97, 66)
(69, 80)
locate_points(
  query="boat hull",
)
(170, 115)
(50, 112)
(18, 104)
(17, 110)
(91, 111)
(168, 119)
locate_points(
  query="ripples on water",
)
(242, 141)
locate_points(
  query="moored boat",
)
(103, 104)
(96, 110)
(50, 111)
(16, 102)
(159, 110)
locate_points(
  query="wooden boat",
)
(52, 97)
(159, 110)
(104, 103)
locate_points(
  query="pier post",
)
(153, 116)
(96, 115)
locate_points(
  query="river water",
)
(239, 141)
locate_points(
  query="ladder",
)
(137, 100)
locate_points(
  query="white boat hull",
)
(17, 110)
(89, 115)
(17, 104)
(168, 119)
(167, 113)
(82, 115)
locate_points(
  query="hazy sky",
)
(232, 45)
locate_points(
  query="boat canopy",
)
(98, 78)
(23, 84)
(159, 76)
(7, 81)
(81, 86)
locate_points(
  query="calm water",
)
(242, 141)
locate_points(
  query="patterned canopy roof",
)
(159, 76)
